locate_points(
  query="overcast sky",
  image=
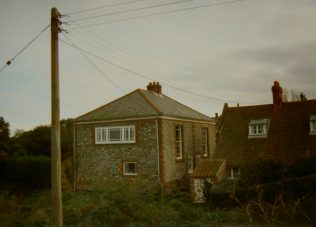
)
(228, 52)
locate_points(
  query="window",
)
(130, 168)
(197, 158)
(205, 141)
(116, 134)
(312, 123)
(258, 128)
(179, 142)
(234, 173)
(190, 164)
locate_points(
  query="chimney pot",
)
(277, 93)
(154, 86)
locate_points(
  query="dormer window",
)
(258, 128)
(312, 125)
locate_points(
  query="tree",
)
(4, 135)
(293, 95)
(275, 193)
(38, 140)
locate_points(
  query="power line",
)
(132, 10)
(162, 13)
(148, 78)
(102, 7)
(94, 65)
(26, 46)
(124, 55)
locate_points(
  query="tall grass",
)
(118, 204)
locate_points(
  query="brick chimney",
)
(277, 92)
(154, 86)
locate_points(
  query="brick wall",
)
(192, 145)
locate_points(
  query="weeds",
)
(119, 204)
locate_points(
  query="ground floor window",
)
(234, 173)
(130, 168)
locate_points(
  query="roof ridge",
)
(141, 91)
(107, 104)
(186, 106)
(173, 100)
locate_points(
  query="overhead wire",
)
(102, 7)
(26, 46)
(132, 10)
(122, 54)
(91, 62)
(149, 78)
(161, 13)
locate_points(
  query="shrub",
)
(28, 173)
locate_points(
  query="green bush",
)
(25, 173)
(276, 193)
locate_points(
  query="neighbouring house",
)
(283, 131)
(142, 135)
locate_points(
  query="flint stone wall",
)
(97, 164)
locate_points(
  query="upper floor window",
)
(115, 134)
(179, 141)
(258, 128)
(205, 141)
(312, 123)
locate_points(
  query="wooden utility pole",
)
(55, 136)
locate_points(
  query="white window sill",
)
(231, 178)
(257, 136)
(117, 142)
(130, 174)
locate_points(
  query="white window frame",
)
(258, 128)
(312, 125)
(205, 142)
(127, 134)
(179, 142)
(129, 173)
(234, 173)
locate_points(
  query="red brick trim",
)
(161, 155)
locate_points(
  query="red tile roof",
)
(288, 134)
(208, 168)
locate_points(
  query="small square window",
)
(130, 168)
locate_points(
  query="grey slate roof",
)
(142, 103)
